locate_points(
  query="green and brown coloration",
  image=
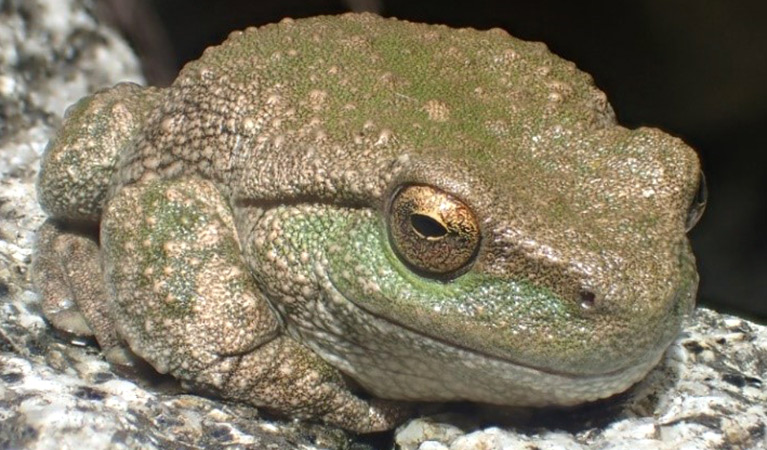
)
(259, 231)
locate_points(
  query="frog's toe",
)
(373, 416)
(70, 321)
(52, 274)
(123, 357)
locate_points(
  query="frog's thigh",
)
(67, 272)
(185, 301)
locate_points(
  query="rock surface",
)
(708, 393)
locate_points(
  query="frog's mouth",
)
(393, 359)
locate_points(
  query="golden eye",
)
(698, 204)
(432, 231)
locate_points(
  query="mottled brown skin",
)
(254, 240)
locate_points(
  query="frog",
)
(335, 218)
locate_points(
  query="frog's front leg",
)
(184, 300)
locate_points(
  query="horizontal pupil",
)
(427, 226)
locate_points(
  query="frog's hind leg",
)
(185, 301)
(76, 171)
(67, 272)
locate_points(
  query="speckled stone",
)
(708, 393)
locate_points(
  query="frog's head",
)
(569, 261)
(490, 235)
(570, 256)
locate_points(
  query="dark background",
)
(697, 69)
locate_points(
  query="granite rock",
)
(57, 393)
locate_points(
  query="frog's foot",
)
(185, 301)
(289, 378)
(67, 272)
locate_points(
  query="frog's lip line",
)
(650, 360)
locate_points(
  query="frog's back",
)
(321, 107)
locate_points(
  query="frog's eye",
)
(698, 204)
(432, 231)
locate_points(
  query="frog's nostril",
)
(587, 299)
